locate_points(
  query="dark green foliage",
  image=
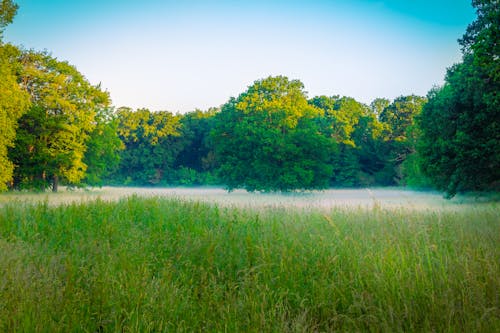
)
(460, 124)
(31, 153)
(361, 158)
(400, 134)
(412, 174)
(151, 146)
(102, 156)
(370, 149)
(160, 148)
(481, 41)
(197, 149)
(270, 139)
(460, 134)
(191, 177)
(346, 168)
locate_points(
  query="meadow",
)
(152, 263)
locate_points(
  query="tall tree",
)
(13, 104)
(151, 145)
(400, 115)
(13, 101)
(481, 42)
(356, 129)
(102, 156)
(8, 10)
(197, 150)
(268, 139)
(378, 105)
(195, 164)
(341, 116)
(370, 150)
(460, 124)
(52, 135)
(399, 121)
(345, 119)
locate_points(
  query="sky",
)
(182, 55)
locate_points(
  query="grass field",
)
(154, 264)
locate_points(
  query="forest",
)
(57, 128)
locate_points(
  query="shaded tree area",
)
(460, 133)
(351, 125)
(401, 135)
(52, 134)
(151, 145)
(196, 163)
(58, 128)
(374, 141)
(269, 138)
(162, 148)
(102, 156)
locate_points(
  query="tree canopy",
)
(102, 156)
(52, 134)
(55, 126)
(268, 139)
(151, 146)
(8, 10)
(13, 104)
(460, 123)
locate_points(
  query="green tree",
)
(102, 156)
(355, 128)
(52, 135)
(341, 116)
(195, 164)
(370, 149)
(8, 10)
(400, 115)
(345, 119)
(197, 150)
(400, 132)
(460, 124)
(480, 41)
(269, 139)
(13, 104)
(378, 105)
(13, 101)
(151, 145)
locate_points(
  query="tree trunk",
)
(55, 183)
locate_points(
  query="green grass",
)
(154, 265)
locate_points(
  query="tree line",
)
(56, 128)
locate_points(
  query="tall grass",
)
(154, 265)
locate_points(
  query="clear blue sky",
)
(182, 55)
